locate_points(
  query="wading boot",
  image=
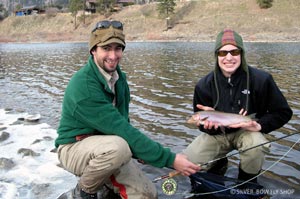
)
(247, 176)
(107, 193)
(78, 193)
(220, 167)
(104, 193)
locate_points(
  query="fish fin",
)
(202, 120)
(205, 118)
(252, 116)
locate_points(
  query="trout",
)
(223, 119)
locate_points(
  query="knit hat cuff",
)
(229, 37)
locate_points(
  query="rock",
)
(4, 136)
(32, 118)
(2, 127)
(37, 141)
(8, 109)
(41, 190)
(47, 138)
(6, 163)
(18, 122)
(27, 152)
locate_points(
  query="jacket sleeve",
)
(203, 94)
(99, 114)
(273, 110)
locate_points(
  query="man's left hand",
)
(248, 126)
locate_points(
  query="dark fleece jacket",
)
(251, 89)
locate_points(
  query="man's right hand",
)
(205, 108)
(184, 166)
(207, 124)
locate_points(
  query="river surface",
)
(161, 77)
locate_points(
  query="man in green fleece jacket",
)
(95, 138)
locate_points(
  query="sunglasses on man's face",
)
(107, 24)
(223, 53)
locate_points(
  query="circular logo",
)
(169, 186)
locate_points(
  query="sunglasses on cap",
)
(223, 53)
(106, 24)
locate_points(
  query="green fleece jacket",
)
(87, 109)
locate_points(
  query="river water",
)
(161, 77)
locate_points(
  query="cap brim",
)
(112, 40)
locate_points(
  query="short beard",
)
(108, 70)
(101, 65)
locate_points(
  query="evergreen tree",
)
(265, 3)
(105, 6)
(166, 7)
(3, 12)
(75, 6)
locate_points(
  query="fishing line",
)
(174, 173)
(281, 158)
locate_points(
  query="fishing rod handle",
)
(173, 174)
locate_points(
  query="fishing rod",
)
(249, 180)
(175, 173)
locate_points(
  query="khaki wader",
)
(209, 147)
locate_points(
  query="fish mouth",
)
(196, 119)
(188, 119)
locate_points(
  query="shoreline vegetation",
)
(194, 21)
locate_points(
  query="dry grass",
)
(194, 21)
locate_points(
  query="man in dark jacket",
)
(95, 138)
(235, 87)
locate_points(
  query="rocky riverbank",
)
(194, 21)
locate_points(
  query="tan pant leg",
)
(106, 159)
(94, 159)
(131, 183)
(207, 147)
(251, 161)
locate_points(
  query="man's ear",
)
(93, 51)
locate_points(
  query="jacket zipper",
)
(230, 91)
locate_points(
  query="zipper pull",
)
(229, 82)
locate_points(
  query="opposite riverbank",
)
(194, 21)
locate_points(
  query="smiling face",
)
(229, 63)
(108, 56)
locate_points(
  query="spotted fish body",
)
(223, 119)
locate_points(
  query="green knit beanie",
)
(228, 36)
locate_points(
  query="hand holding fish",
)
(207, 124)
(205, 108)
(210, 118)
(249, 126)
(243, 112)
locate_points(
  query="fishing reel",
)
(169, 186)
